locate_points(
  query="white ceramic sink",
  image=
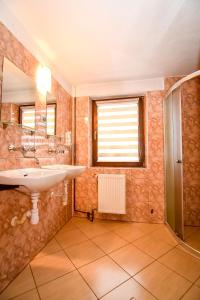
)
(34, 179)
(70, 171)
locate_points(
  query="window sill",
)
(118, 168)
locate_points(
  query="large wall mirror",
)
(18, 96)
(22, 104)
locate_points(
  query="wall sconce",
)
(43, 80)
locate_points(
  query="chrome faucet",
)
(23, 149)
(52, 150)
(12, 148)
(37, 161)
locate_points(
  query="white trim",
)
(134, 87)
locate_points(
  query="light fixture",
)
(43, 80)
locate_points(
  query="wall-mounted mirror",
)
(22, 104)
(18, 96)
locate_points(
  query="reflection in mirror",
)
(18, 96)
(51, 114)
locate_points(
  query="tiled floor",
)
(110, 261)
(192, 236)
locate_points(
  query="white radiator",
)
(112, 193)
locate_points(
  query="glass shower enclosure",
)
(173, 163)
(182, 159)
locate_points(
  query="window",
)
(27, 117)
(118, 132)
(51, 119)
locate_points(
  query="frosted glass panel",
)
(169, 167)
(173, 166)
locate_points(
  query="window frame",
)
(33, 105)
(141, 162)
(55, 119)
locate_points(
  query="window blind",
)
(28, 116)
(118, 130)
(51, 115)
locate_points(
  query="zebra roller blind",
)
(117, 132)
(51, 116)
(28, 116)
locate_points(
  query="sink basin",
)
(34, 179)
(70, 171)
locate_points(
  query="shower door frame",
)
(174, 118)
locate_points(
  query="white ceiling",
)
(91, 41)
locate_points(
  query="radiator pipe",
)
(90, 215)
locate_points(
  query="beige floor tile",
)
(51, 267)
(194, 240)
(112, 225)
(31, 295)
(129, 290)
(69, 226)
(129, 232)
(92, 230)
(148, 228)
(192, 294)
(165, 235)
(162, 282)
(70, 238)
(23, 283)
(55, 274)
(198, 282)
(194, 243)
(109, 242)
(103, 275)
(74, 219)
(79, 221)
(190, 230)
(152, 245)
(68, 287)
(131, 259)
(183, 263)
(51, 247)
(84, 253)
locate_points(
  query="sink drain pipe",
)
(90, 214)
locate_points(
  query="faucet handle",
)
(11, 148)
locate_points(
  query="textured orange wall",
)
(145, 186)
(20, 244)
(9, 112)
(190, 92)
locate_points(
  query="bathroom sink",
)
(36, 180)
(70, 171)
